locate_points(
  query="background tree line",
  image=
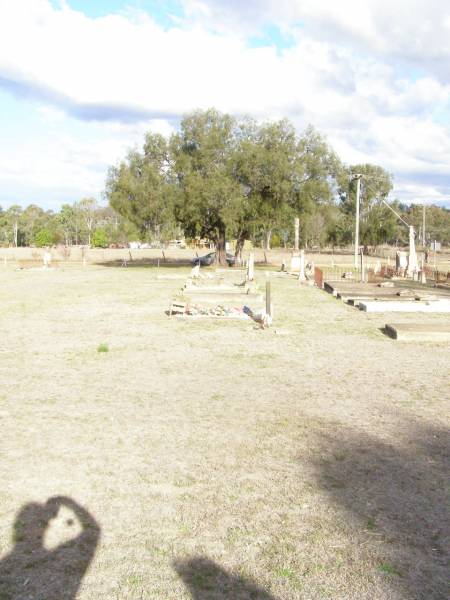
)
(84, 222)
(223, 178)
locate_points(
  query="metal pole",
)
(362, 274)
(358, 190)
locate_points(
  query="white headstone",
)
(295, 263)
(401, 261)
(47, 258)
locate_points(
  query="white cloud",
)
(412, 30)
(345, 73)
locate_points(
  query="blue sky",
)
(81, 81)
(162, 12)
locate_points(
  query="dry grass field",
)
(147, 458)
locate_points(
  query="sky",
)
(81, 81)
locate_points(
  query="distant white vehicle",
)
(177, 244)
(134, 245)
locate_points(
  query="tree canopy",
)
(221, 178)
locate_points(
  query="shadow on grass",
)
(173, 263)
(208, 581)
(398, 497)
(31, 571)
(169, 263)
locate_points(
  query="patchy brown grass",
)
(213, 460)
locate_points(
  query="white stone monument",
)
(413, 266)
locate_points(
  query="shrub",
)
(43, 238)
(99, 239)
(275, 241)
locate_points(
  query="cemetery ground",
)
(217, 460)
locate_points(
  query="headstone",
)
(295, 263)
(401, 262)
(47, 258)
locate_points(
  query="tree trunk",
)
(15, 231)
(221, 255)
(240, 241)
(267, 238)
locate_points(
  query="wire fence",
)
(371, 275)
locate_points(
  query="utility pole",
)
(358, 191)
(424, 238)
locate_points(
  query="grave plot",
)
(223, 299)
(419, 332)
(390, 296)
(422, 306)
(181, 307)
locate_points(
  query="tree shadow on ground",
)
(169, 263)
(33, 571)
(400, 495)
(208, 581)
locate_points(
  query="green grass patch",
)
(103, 348)
(284, 573)
(388, 569)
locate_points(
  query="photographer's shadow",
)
(207, 580)
(33, 571)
